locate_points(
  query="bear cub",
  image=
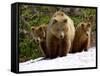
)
(39, 35)
(82, 37)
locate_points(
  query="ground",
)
(77, 60)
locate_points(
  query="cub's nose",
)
(87, 33)
(37, 40)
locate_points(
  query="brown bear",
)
(39, 35)
(60, 35)
(82, 37)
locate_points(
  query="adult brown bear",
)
(60, 35)
(82, 37)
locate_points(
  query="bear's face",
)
(58, 25)
(38, 34)
(86, 27)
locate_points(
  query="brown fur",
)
(82, 37)
(60, 35)
(39, 35)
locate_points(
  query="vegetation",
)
(33, 15)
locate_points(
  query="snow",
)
(77, 60)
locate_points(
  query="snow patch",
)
(77, 60)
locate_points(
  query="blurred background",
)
(35, 15)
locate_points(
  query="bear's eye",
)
(61, 14)
(54, 21)
(33, 28)
(65, 20)
(82, 25)
(88, 25)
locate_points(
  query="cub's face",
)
(58, 25)
(86, 27)
(38, 34)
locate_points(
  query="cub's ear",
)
(88, 25)
(40, 28)
(32, 28)
(82, 25)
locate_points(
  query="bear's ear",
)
(32, 28)
(54, 21)
(88, 25)
(82, 25)
(65, 20)
(40, 28)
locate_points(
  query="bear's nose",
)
(38, 40)
(62, 35)
(87, 33)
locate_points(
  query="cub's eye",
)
(65, 20)
(33, 28)
(54, 21)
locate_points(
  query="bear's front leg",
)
(44, 49)
(87, 44)
(65, 47)
(52, 48)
